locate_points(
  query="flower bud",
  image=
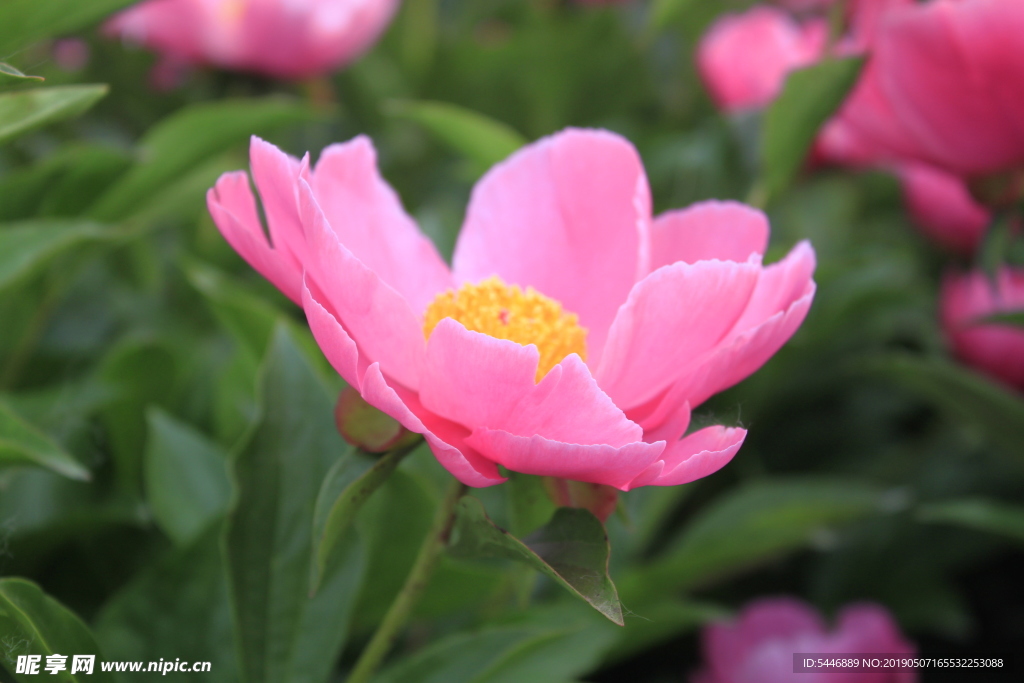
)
(365, 427)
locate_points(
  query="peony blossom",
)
(573, 332)
(945, 86)
(943, 208)
(758, 646)
(290, 39)
(994, 349)
(743, 59)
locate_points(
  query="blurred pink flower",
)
(945, 86)
(290, 39)
(70, 54)
(743, 59)
(573, 332)
(943, 208)
(758, 646)
(995, 349)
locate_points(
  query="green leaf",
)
(23, 444)
(529, 505)
(248, 318)
(8, 72)
(61, 184)
(186, 478)
(33, 623)
(748, 526)
(961, 393)
(26, 246)
(976, 513)
(809, 97)
(348, 484)
(142, 372)
(1014, 318)
(481, 140)
(25, 21)
(24, 110)
(572, 549)
(175, 608)
(664, 12)
(283, 634)
(550, 643)
(187, 138)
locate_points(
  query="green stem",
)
(415, 584)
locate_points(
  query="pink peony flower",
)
(291, 39)
(572, 334)
(758, 646)
(743, 59)
(994, 349)
(945, 86)
(943, 208)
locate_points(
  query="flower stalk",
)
(419, 576)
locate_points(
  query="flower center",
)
(507, 312)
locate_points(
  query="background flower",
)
(758, 646)
(995, 349)
(744, 58)
(943, 87)
(279, 38)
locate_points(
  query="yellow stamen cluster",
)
(506, 312)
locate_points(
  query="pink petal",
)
(727, 231)
(672, 317)
(474, 379)
(568, 215)
(596, 463)
(779, 286)
(376, 317)
(665, 418)
(568, 405)
(445, 439)
(996, 350)
(368, 218)
(278, 38)
(233, 209)
(167, 26)
(698, 455)
(745, 353)
(777, 308)
(332, 338)
(943, 208)
(745, 58)
(867, 627)
(728, 646)
(954, 73)
(483, 382)
(276, 176)
(292, 40)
